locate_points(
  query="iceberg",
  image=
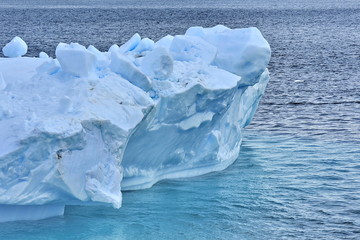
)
(80, 128)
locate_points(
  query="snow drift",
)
(80, 128)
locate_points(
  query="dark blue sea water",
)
(298, 173)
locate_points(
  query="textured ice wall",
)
(195, 127)
(79, 128)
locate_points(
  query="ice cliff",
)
(78, 129)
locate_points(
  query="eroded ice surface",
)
(80, 128)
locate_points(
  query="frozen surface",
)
(80, 128)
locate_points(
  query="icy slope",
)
(79, 128)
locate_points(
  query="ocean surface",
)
(298, 173)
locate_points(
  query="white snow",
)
(15, 48)
(81, 128)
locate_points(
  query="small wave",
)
(312, 103)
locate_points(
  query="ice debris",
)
(76, 59)
(43, 55)
(15, 48)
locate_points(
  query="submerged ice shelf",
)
(78, 129)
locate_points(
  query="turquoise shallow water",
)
(280, 187)
(298, 173)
